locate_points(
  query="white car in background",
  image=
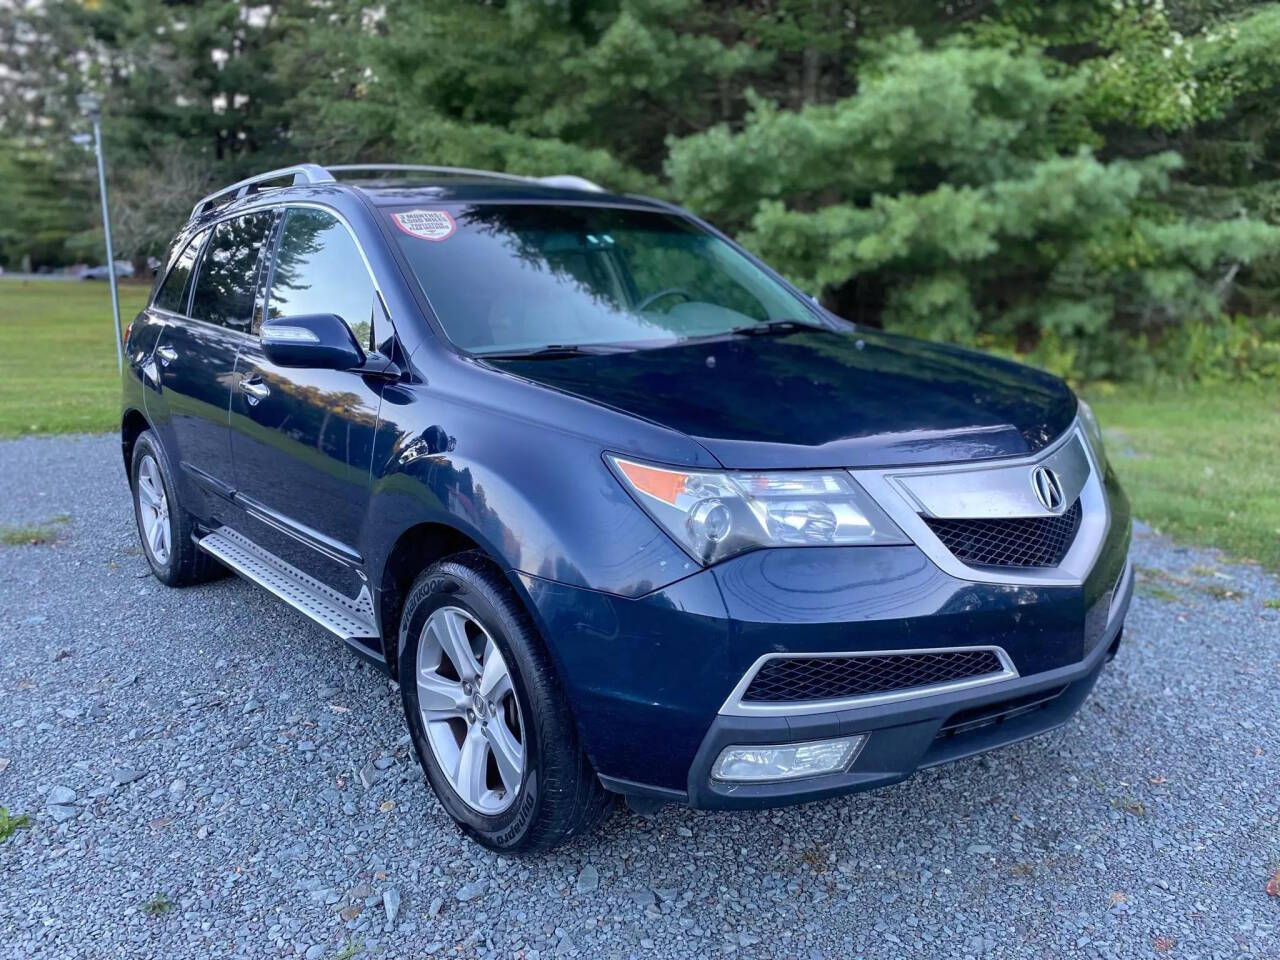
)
(123, 269)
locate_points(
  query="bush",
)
(1216, 350)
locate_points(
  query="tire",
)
(174, 558)
(556, 795)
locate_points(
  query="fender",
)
(538, 499)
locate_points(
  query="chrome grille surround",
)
(737, 705)
(997, 489)
(796, 679)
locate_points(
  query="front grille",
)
(795, 679)
(1012, 541)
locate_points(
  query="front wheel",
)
(490, 724)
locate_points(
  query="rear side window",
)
(318, 269)
(228, 271)
(172, 294)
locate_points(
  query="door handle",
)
(254, 389)
(167, 355)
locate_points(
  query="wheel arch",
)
(415, 549)
(132, 426)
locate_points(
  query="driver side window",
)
(318, 269)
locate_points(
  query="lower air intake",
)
(796, 679)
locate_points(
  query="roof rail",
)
(301, 173)
(571, 181)
(422, 168)
(314, 173)
(567, 181)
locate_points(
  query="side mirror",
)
(316, 340)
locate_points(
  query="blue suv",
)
(622, 510)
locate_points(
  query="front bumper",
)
(649, 678)
(902, 737)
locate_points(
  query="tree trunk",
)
(812, 70)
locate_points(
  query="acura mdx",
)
(620, 509)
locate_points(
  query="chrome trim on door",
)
(735, 706)
(321, 543)
(997, 489)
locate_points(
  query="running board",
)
(352, 620)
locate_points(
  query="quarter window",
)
(318, 269)
(172, 295)
(229, 271)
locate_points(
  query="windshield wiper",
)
(551, 351)
(772, 328)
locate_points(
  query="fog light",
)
(785, 761)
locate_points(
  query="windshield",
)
(525, 277)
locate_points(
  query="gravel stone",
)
(60, 795)
(391, 904)
(369, 775)
(1147, 826)
(642, 898)
(62, 813)
(588, 879)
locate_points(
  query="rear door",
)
(195, 354)
(302, 439)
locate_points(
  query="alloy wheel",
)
(469, 710)
(153, 510)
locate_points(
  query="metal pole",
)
(106, 229)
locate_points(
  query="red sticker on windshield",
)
(433, 225)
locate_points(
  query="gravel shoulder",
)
(207, 773)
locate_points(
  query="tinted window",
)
(511, 278)
(172, 295)
(229, 271)
(319, 269)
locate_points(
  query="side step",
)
(352, 620)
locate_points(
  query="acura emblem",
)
(1048, 489)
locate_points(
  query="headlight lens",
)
(1093, 433)
(715, 515)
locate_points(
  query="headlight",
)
(1093, 433)
(715, 515)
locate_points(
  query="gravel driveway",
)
(208, 774)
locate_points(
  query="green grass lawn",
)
(1202, 464)
(57, 358)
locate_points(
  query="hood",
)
(824, 398)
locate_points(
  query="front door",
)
(302, 439)
(195, 355)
